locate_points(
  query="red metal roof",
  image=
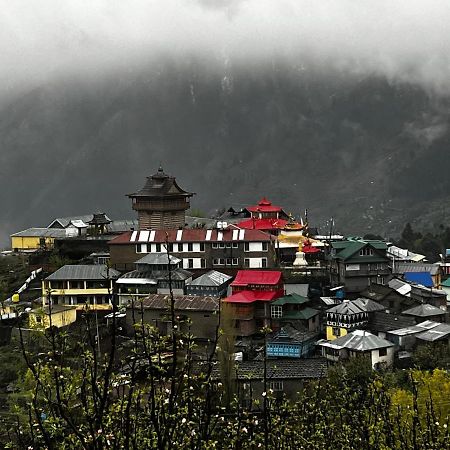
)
(191, 235)
(246, 277)
(264, 205)
(262, 224)
(252, 296)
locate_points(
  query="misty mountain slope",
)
(364, 151)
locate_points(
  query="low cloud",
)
(402, 40)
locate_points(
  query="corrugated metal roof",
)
(83, 272)
(266, 277)
(211, 278)
(251, 296)
(434, 334)
(291, 335)
(192, 235)
(423, 278)
(158, 259)
(424, 310)
(414, 329)
(41, 232)
(361, 340)
(291, 299)
(182, 302)
(400, 267)
(280, 369)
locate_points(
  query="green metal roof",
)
(304, 314)
(290, 299)
(346, 249)
(446, 283)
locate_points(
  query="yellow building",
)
(35, 238)
(345, 317)
(84, 286)
(58, 316)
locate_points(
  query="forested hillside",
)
(367, 151)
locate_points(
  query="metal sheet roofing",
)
(83, 272)
(423, 278)
(41, 232)
(361, 340)
(424, 310)
(414, 329)
(441, 331)
(262, 224)
(291, 335)
(211, 278)
(192, 235)
(291, 299)
(265, 277)
(251, 296)
(433, 269)
(182, 302)
(158, 259)
(307, 368)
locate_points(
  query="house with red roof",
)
(252, 292)
(200, 249)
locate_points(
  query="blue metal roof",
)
(423, 278)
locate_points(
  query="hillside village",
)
(294, 297)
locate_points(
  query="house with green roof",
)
(294, 309)
(357, 263)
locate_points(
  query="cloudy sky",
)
(402, 39)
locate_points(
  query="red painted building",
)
(249, 303)
(265, 216)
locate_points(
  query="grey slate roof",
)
(361, 340)
(176, 275)
(382, 321)
(83, 272)
(41, 232)
(307, 368)
(368, 305)
(158, 258)
(424, 310)
(211, 278)
(291, 335)
(160, 185)
(182, 302)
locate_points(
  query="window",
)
(382, 352)
(190, 263)
(202, 246)
(168, 247)
(277, 311)
(366, 251)
(276, 386)
(221, 245)
(336, 331)
(203, 263)
(246, 246)
(246, 262)
(215, 245)
(138, 248)
(229, 261)
(235, 261)
(218, 261)
(228, 245)
(235, 245)
(158, 248)
(190, 247)
(263, 262)
(265, 246)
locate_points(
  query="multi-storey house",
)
(357, 263)
(227, 250)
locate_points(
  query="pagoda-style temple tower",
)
(161, 203)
